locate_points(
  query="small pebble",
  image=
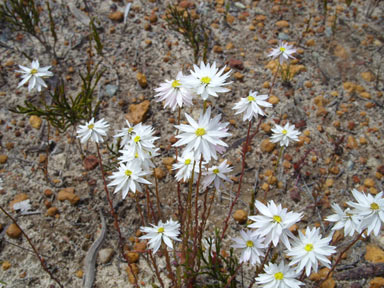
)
(105, 255)
(13, 231)
(240, 216)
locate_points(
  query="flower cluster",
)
(138, 149)
(203, 139)
(309, 249)
(367, 214)
(271, 227)
(204, 81)
(136, 153)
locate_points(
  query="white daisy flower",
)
(284, 51)
(125, 134)
(251, 105)
(184, 166)
(207, 81)
(93, 130)
(274, 223)
(284, 134)
(34, 75)
(129, 154)
(174, 93)
(309, 249)
(370, 209)
(128, 177)
(278, 276)
(166, 232)
(345, 220)
(202, 137)
(142, 141)
(252, 245)
(223, 127)
(216, 174)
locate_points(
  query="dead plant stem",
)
(42, 262)
(341, 254)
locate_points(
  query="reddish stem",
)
(156, 269)
(42, 262)
(159, 216)
(149, 206)
(341, 254)
(245, 150)
(197, 198)
(265, 257)
(180, 205)
(233, 276)
(116, 221)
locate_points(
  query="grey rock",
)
(328, 31)
(283, 36)
(111, 90)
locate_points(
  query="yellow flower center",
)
(284, 131)
(251, 98)
(279, 276)
(206, 80)
(249, 243)
(277, 219)
(176, 84)
(128, 172)
(160, 230)
(308, 247)
(91, 126)
(374, 206)
(282, 49)
(200, 132)
(136, 155)
(130, 130)
(187, 161)
(136, 139)
(215, 171)
(33, 71)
